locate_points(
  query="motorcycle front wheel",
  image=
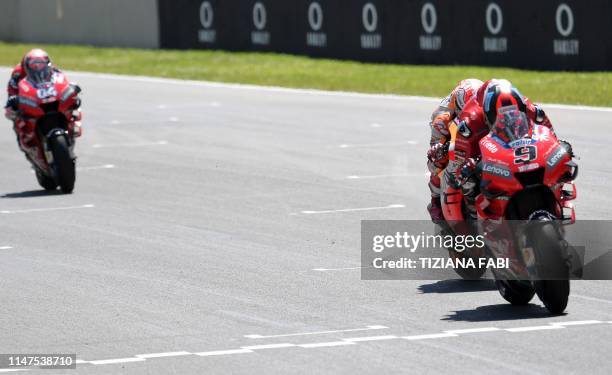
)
(550, 257)
(63, 163)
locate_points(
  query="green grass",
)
(293, 71)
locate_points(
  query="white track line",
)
(46, 209)
(117, 360)
(269, 346)
(534, 328)
(576, 323)
(139, 144)
(472, 330)
(368, 328)
(430, 336)
(326, 344)
(371, 338)
(5, 247)
(223, 352)
(308, 212)
(162, 355)
(341, 342)
(105, 166)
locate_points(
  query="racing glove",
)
(568, 147)
(438, 154)
(11, 107)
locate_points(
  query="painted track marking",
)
(269, 346)
(534, 328)
(224, 352)
(117, 360)
(310, 212)
(430, 336)
(368, 328)
(473, 330)
(162, 355)
(342, 342)
(6, 247)
(576, 323)
(105, 166)
(326, 344)
(371, 338)
(46, 209)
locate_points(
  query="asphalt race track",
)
(216, 229)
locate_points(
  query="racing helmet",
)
(462, 94)
(500, 94)
(37, 66)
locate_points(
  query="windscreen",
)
(511, 124)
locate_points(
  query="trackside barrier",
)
(535, 34)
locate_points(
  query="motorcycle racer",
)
(476, 120)
(35, 66)
(437, 155)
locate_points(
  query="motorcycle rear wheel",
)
(63, 163)
(46, 182)
(516, 292)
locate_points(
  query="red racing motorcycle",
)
(49, 113)
(519, 201)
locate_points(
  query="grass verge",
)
(592, 88)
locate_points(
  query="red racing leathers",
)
(17, 75)
(464, 150)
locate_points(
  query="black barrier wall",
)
(536, 34)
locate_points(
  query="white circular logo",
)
(206, 14)
(315, 16)
(429, 25)
(565, 9)
(259, 16)
(494, 27)
(369, 17)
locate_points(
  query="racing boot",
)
(435, 210)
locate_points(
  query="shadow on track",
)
(458, 286)
(499, 312)
(31, 194)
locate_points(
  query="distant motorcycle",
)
(51, 109)
(523, 197)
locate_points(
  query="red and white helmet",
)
(500, 94)
(37, 66)
(462, 94)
